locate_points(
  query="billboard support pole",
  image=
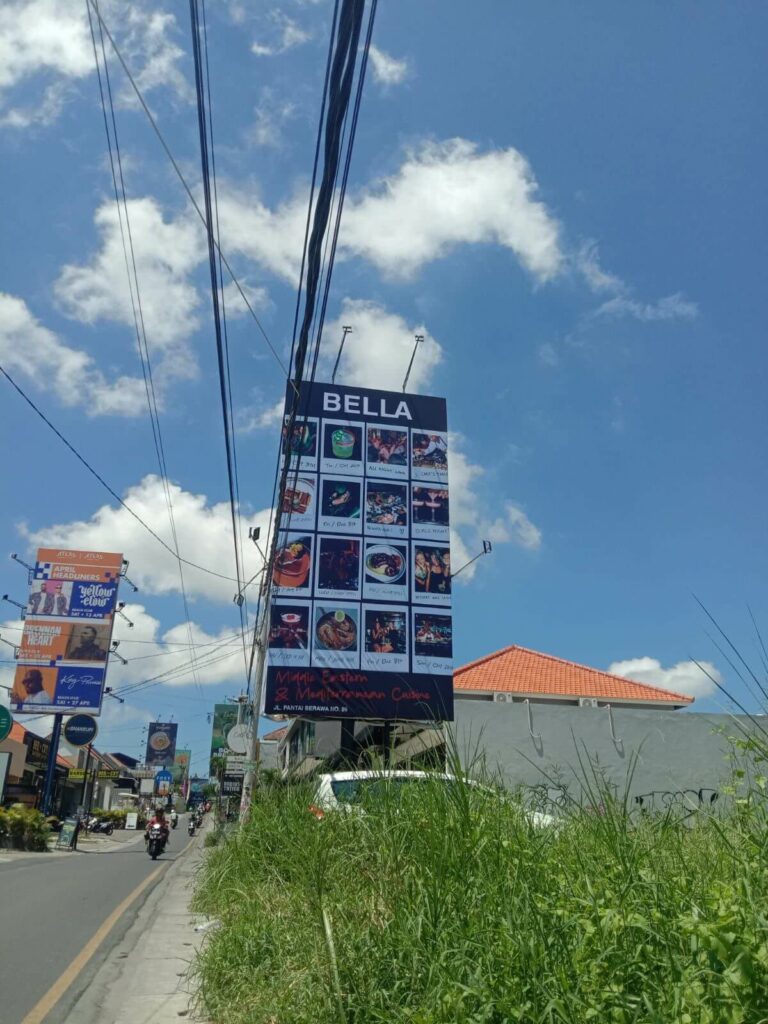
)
(50, 770)
(85, 776)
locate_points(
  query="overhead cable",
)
(104, 483)
(182, 179)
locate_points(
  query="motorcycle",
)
(156, 840)
(191, 827)
(174, 819)
(95, 824)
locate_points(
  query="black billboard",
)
(361, 623)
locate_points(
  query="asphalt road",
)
(51, 905)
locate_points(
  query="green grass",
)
(449, 908)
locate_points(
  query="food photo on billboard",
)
(386, 509)
(289, 632)
(336, 640)
(299, 503)
(338, 567)
(385, 569)
(292, 570)
(342, 448)
(340, 505)
(161, 743)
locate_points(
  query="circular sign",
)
(237, 739)
(80, 730)
(6, 721)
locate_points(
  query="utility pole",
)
(249, 780)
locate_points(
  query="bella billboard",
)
(361, 623)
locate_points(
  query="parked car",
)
(347, 791)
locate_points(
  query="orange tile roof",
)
(276, 734)
(516, 669)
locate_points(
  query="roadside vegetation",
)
(22, 828)
(446, 905)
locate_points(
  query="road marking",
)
(40, 1011)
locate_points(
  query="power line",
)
(222, 357)
(104, 483)
(139, 324)
(182, 179)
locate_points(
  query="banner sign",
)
(161, 743)
(361, 623)
(67, 632)
(163, 781)
(224, 720)
(181, 765)
(231, 785)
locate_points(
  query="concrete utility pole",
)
(252, 757)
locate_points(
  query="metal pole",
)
(50, 770)
(346, 331)
(419, 338)
(85, 776)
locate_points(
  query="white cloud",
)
(233, 301)
(52, 38)
(377, 352)
(270, 114)
(587, 261)
(31, 349)
(444, 194)
(387, 70)
(166, 250)
(204, 531)
(685, 677)
(252, 418)
(515, 527)
(286, 35)
(673, 307)
(548, 354)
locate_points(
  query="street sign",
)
(6, 722)
(80, 730)
(231, 785)
(68, 836)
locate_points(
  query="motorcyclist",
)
(158, 819)
(174, 818)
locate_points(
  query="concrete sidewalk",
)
(145, 978)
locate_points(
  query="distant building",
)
(517, 674)
(513, 675)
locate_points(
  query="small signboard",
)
(68, 836)
(132, 820)
(231, 785)
(163, 780)
(6, 722)
(80, 730)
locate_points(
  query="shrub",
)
(23, 828)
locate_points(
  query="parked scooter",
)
(94, 824)
(155, 841)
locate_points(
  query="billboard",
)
(161, 743)
(67, 632)
(361, 624)
(224, 720)
(180, 767)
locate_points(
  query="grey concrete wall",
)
(669, 752)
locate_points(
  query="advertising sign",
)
(146, 787)
(181, 765)
(232, 785)
(5, 765)
(80, 730)
(361, 623)
(224, 720)
(161, 743)
(67, 632)
(132, 820)
(67, 838)
(163, 781)
(6, 723)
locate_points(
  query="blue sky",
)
(567, 201)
